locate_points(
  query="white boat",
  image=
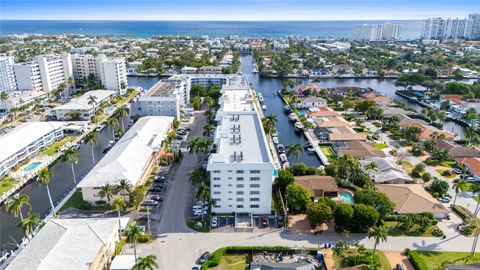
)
(281, 148)
(260, 98)
(286, 165)
(292, 117)
(275, 140)
(299, 126)
(283, 158)
(264, 107)
(311, 149)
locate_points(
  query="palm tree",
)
(119, 205)
(460, 186)
(146, 263)
(205, 145)
(71, 83)
(269, 122)
(15, 203)
(113, 123)
(380, 233)
(197, 176)
(43, 177)
(203, 192)
(132, 232)
(122, 112)
(107, 191)
(91, 138)
(207, 130)
(92, 100)
(194, 145)
(124, 187)
(371, 167)
(294, 150)
(29, 224)
(3, 97)
(71, 155)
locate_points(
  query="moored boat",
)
(275, 140)
(286, 165)
(281, 148)
(298, 126)
(283, 158)
(292, 117)
(264, 107)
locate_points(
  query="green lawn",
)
(407, 166)
(6, 183)
(232, 262)
(395, 230)
(352, 252)
(53, 148)
(328, 151)
(452, 175)
(434, 259)
(448, 164)
(74, 202)
(380, 146)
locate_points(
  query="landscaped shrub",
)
(143, 238)
(463, 213)
(467, 230)
(415, 260)
(241, 250)
(447, 173)
(437, 232)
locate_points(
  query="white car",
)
(200, 212)
(214, 222)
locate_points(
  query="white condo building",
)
(43, 73)
(130, 159)
(376, 32)
(439, 28)
(83, 105)
(7, 75)
(25, 141)
(111, 72)
(242, 169)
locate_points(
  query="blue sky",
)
(234, 9)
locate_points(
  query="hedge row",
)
(415, 260)
(464, 213)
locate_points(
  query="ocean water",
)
(271, 29)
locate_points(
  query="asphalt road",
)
(171, 216)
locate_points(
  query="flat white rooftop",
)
(82, 102)
(22, 136)
(127, 159)
(64, 244)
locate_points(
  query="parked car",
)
(156, 198)
(457, 171)
(444, 199)
(399, 267)
(155, 189)
(214, 222)
(150, 203)
(200, 212)
(203, 258)
(195, 268)
(196, 217)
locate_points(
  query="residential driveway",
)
(397, 257)
(170, 218)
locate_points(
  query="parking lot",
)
(227, 223)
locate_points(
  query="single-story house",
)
(472, 164)
(310, 102)
(359, 149)
(406, 121)
(388, 172)
(390, 111)
(380, 100)
(318, 185)
(322, 112)
(454, 99)
(76, 243)
(346, 136)
(457, 150)
(312, 86)
(413, 199)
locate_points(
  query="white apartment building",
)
(7, 75)
(25, 141)
(439, 28)
(21, 98)
(43, 73)
(433, 28)
(242, 169)
(165, 98)
(472, 27)
(110, 72)
(83, 105)
(131, 158)
(376, 32)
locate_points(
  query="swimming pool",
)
(346, 197)
(31, 166)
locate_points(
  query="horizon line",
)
(211, 20)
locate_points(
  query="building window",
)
(239, 205)
(239, 185)
(254, 199)
(216, 171)
(254, 192)
(217, 185)
(254, 178)
(239, 199)
(254, 185)
(216, 199)
(239, 171)
(216, 178)
(216, 192)
(254, 171)
(239, 192)
(239, 178)
(254, 206)
(217, 206)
